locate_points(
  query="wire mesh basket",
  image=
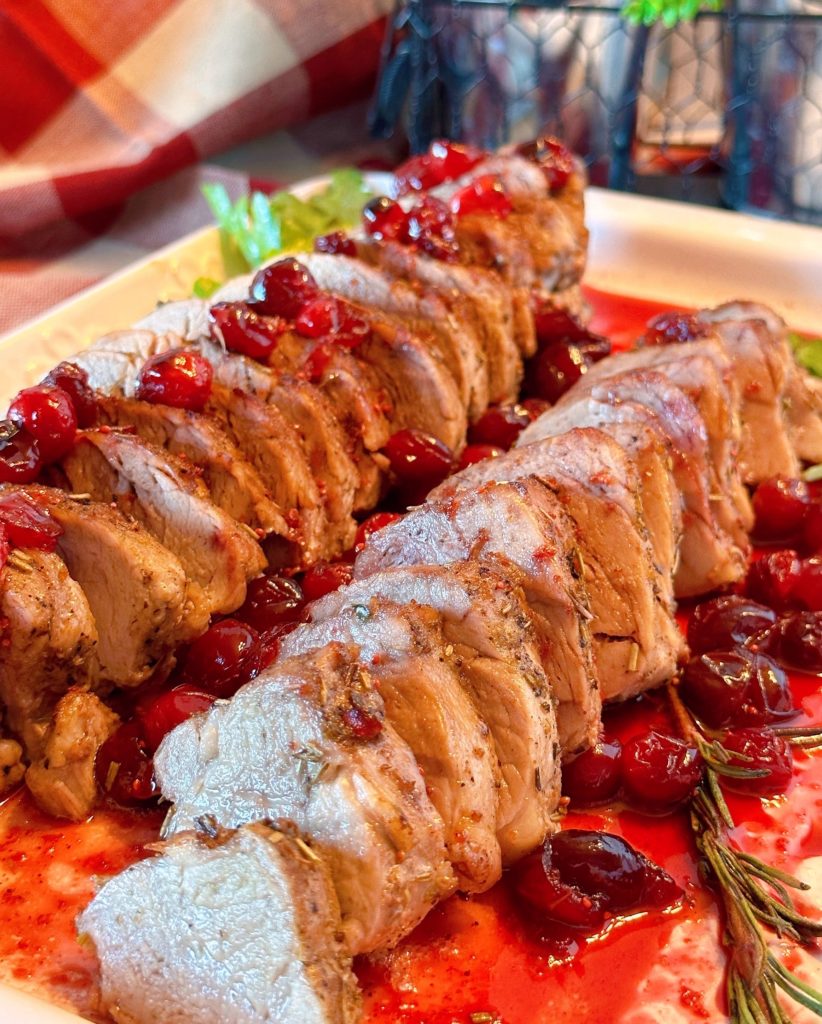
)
(728, 106)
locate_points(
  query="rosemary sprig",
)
(755, 897)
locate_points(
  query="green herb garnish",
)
(669, 12)
(808, 352)
(204, 287)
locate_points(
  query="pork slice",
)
(62, 779)
(637, 643)
(477, 298)
(113, 362)
(163, 494)
(488, 625)
(648, 447)
(431, 710)
(233, 483)
(708, 556)
(703, 370)
(430, 316)
(48, 642)
(286, 746)
(519, 526)
(223, 927)
(12, 766)
(135, 588)
(756, 334)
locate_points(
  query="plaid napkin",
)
(102, 101)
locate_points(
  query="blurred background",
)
(113, 113)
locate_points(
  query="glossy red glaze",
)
(180, 377)
(170, 709)
(47, 413)
(225, 657)
(245, 331)
(326, 577)
(74, 381)
(282, 289)
(27, 524)
(484, 195)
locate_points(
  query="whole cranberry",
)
(27, 524)
(20, 458)
(554, 369)
(180, 377)
(555, 324)
(74, 381)
(47, 413)
(243, 330)
(373, 524)
(553, 156)
(798, 641)
(225, 657)
(736, 687)
(484, 195)
(271, 600)
(780, 506)
(282, 289)
(384, 218)
(336, 243)
(168, 710)
(326, 577)
(761, 750)
(772, 578)
(327, 316)
(123, 766)
(659, 772)
(418, 458)
(478, 453)
(674, 328)
(725, 622)
(444, 161)
(500, 425)
(594, 776)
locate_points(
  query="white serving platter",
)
(646, 248)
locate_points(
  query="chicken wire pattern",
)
(730, 102)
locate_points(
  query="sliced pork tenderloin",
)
(651, 451)
(12, 765)
(48, 641)
(522, 530)
(167, 497)
(490, 631)
(432, 709)
(223, 927)
(136, 589)
(294, 743)
(637, 643)
(233, 483)
(62, 779)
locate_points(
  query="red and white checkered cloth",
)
(100, 99)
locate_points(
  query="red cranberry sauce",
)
(180, 377)
(443, 162)
(553, 156)
(26, 524)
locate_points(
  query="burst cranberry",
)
(170, 709)
(418, 458)
(47, 413)
(384, 218)
(123, 766)
(554, 370)
(780, 506)
(761, 750)
(360, 723)
(772, 578)
(444, 161)
(580, 876)
(430, 216)
(724, 622)
(245, 331)
(535, 407)
(372, 525)
(484, 195)
(594, 776)
(224, 658)
(326, 577)
(270, 601)
(674, 328)
(27, 524)
(799, 641)
(553, 156)
(337, 243)
(659, 772)
(319, 359)
(478, 453)
(180, 377)
(327, 316)
(74, 381)
(736, 688)
(500, 426)
(20, 458)
(270, 642)
(282, 289)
